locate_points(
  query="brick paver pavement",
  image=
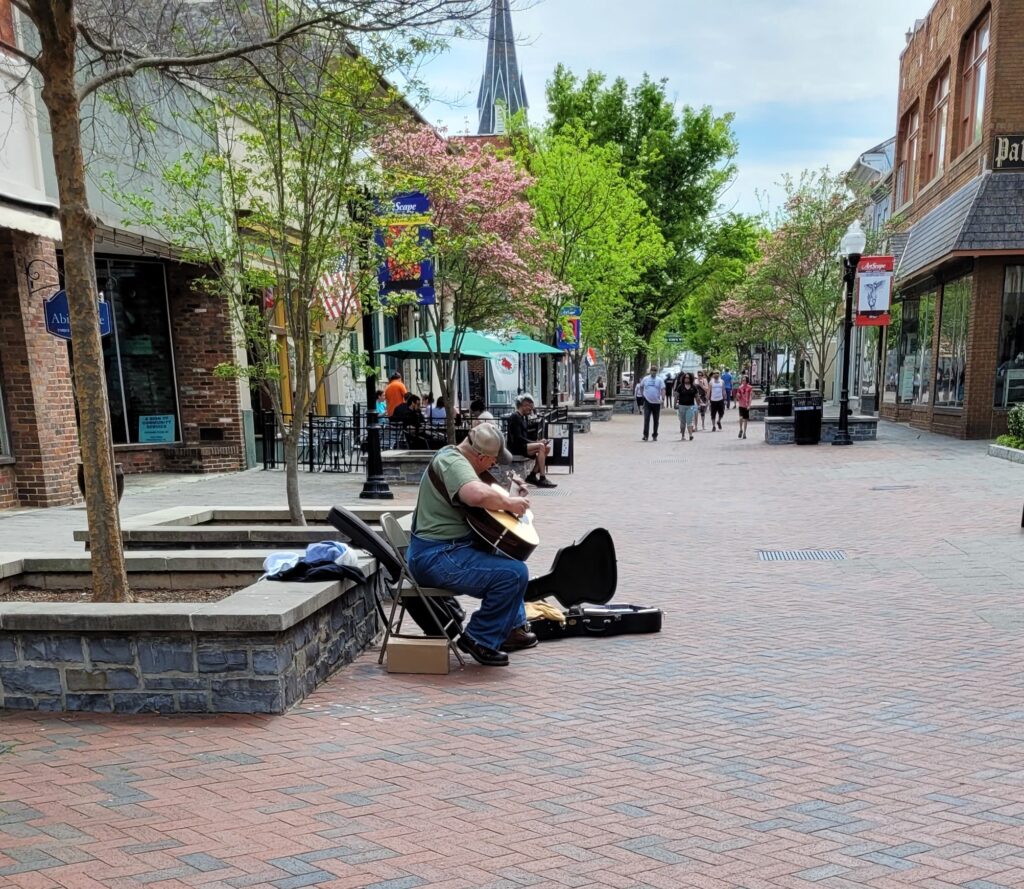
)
(833, 724)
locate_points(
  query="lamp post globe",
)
(851, 249)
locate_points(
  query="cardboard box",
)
(418, 655)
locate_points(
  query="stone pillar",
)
(36, 378)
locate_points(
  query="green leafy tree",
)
(489, 259)
(278, 212)
(606, 239)
(683, 162)
(794, 294)
(78, 49)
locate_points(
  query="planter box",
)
(215, 527)
(599, 413)
(624, 404)
(260, 650)
(1014, 455)
(580, 421)
(407, 467)
(779, 430)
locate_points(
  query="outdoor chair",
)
(406, 588)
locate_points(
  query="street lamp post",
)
(851, 250)
(375, 487)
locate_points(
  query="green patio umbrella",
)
(524, 345)
(474, 345)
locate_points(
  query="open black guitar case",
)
(583, 579)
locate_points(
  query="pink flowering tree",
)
(490, 268)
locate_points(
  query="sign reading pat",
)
(1008, 153)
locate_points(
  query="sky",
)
(811, 82)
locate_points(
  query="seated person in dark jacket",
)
(520, 445)
(409, 416)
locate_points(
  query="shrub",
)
(1011, 441)
(1015, 421)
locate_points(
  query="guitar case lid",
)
(583, 572)
(362, 536)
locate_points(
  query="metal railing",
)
(338, 444)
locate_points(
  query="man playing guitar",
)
(443, 551)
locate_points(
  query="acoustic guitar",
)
(499, 531)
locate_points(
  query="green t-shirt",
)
(436, 519)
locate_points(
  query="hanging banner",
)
(567, 335)
(407, 215)
(505, 371)
(874, 290)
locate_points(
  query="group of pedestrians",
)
(693, 396)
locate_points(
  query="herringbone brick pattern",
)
(835, 724)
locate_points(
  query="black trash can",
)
(780, 403)
(807, 410)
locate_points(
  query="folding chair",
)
(407, 588)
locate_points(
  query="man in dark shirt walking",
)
(520, 445)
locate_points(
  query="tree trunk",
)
(290, 443)
(55, 20)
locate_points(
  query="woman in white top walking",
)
(716, 397)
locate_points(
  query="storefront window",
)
(893, 338)
(138, 354)
(1010, 360)
(923, 362)
(5, 444)
(867, 385)
(951, 362)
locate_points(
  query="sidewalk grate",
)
(548, 492)
(801, 555)
(894, 488)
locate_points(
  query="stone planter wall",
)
(779, 430)
(260, 650)
(1014, 455)
(580, 421)
(407, 467)
(624, 404)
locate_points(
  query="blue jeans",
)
(499, 582)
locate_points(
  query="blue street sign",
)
(58, 317)
(571, 311)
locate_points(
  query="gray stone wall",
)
(185, 672)
(779, 430)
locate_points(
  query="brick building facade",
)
(169, 411)
(954, 355)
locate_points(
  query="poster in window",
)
(156, 429)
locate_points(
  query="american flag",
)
(336, 292)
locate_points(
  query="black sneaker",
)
(531, 479)
(487, 657)
(644, 438)
(654, 438)
(545, 482)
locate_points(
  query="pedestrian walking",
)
(638, 391)
(653, 393)
(669, 386)
(716, 399)
(599, 390)
(744, 395)
(702, 397)
(686, 394)
(727, 379)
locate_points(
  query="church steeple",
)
(502, 83)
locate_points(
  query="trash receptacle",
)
(807, 410)
(780, 403)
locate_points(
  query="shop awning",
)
(985, 216)
(33, 222)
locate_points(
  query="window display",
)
(951, 362)
(5, 445)
(1009, 388)
(141, 385)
